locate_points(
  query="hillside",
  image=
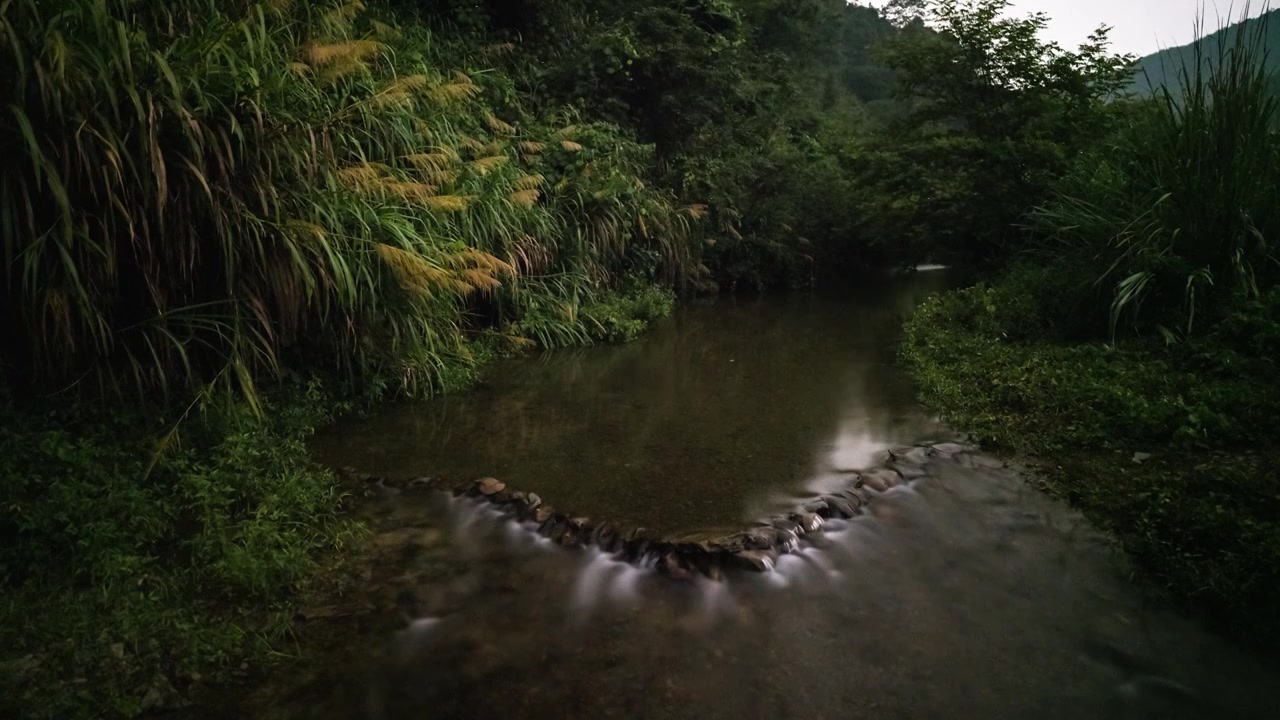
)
(1162, 68)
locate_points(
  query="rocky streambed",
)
(706, 553)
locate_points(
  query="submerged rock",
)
(811, 522)
(840, 507)
(757, 560)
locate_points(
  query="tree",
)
(997, 110)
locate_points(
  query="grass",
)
(145, 559)
(1201, 516)
(1176, 213)
(202, 193)
(206, 207)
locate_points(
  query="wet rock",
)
(814, 506)
(949, 448)
(533, 500)
(1141, 457)
(787, 525)
(673, 566)
(788, 541)
(637, 549)
(580, 523)
(757, 560)
(810, 522)
(543, 514)
(919, 455)
(876, 481)
(518, 498)
(909, 472)
(489, 486)
(762, 538)
(422, 483)
(569, 537)
(840, 507)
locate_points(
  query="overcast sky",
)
(1140, 26)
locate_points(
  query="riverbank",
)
(147, 559)
(1168, 448)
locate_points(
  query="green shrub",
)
(1176, 215)
(123, 562)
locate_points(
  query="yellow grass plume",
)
(485, 165)
(525, 198)
(499, 126)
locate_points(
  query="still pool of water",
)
(964, 594)
(720, 415)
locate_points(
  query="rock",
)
(757, 560)
(543, 514)
(580, 523)
(673, 566)
(1141, 457)
(875, 481)
(811, 522)
(788, 541)
(762, 538)
(423, 482)
(533, 500)
(949, 448)
(815, 506)
(787, 525)
(489, 486)
(909, 472)
(917, 455)
(839, 507)
(519, 498)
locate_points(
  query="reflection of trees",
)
(723, 402)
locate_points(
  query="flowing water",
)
(964, 594)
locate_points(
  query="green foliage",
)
(1201, 516)
(195, 190)
(124, 562)
(1177, 214)
(622, 317)
(996, 114)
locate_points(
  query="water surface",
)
(720, 415)
(965, 594)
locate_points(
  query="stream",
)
(963, 593)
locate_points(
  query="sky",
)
(1140, 27)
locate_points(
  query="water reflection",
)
(724, 413)
(963, 594)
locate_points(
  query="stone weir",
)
(684, 555)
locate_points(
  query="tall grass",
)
(1179, 216)
(199, 193)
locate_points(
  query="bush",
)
(1202, 516)
(128, 567)
(1177, 216)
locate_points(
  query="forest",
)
(226, 223)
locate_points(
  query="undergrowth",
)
(1169, 447)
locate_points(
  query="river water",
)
(966, 593)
